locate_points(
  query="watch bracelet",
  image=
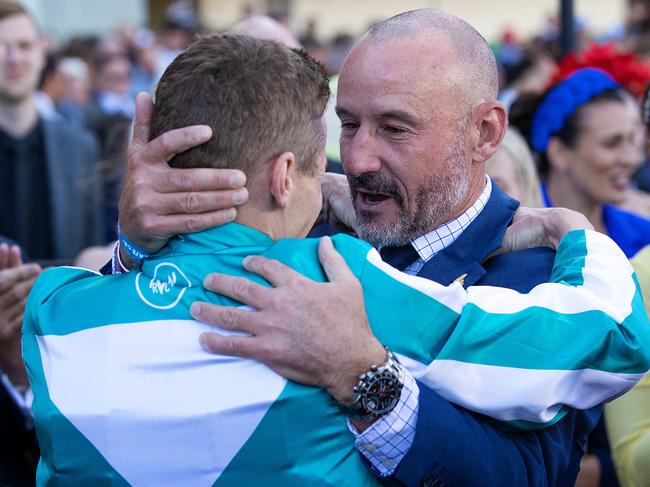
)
(358, 409)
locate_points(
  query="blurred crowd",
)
(90, 82)
(66, 115)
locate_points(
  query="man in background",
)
(49, 182)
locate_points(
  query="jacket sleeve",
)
(453, 447)
(521, 358)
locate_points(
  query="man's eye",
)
(392, 129)
(612, 143)
(349, 125)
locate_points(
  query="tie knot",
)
(399, 257)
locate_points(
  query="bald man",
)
(419, 115)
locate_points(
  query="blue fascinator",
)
(563, 101)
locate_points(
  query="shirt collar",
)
(429, 244)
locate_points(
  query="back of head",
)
(475, 65)
(259, 97)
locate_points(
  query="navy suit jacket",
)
(457, 448)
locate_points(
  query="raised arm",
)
(577, 341)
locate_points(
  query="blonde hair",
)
(529, 183)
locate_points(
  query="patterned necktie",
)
(399, 257)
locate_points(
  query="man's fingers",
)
(9, 256)
(17, 311)
(21, 290)
(234, 346)
(167, 145)
(203, 179)
(4, 256)
(335, 267)
(17, 322)
(9, 277)
(273, 271)
(226, 317)
(17, 293)
(15, 257)
(142, 121)
(237, 288)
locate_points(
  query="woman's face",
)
(608, 151)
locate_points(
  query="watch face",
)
(381, 394)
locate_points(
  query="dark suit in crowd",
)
(51, 191)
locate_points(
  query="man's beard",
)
(438, 196)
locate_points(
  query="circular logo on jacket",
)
(165, 288)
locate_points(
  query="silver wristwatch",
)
(377, 392)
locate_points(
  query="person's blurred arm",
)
(628, 427)
(628, 417)
(16, 280)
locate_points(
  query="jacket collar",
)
(482, 237)
(216, 239)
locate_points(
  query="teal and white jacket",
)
(124, 394)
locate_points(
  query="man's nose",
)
(359, 154)
(14, 54)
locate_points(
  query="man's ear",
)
(282, 169)
(558, 154)
(492, 122)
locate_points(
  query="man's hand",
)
(309, 332)
(16, 280)
(337, 207)
(158, 201)
(9, 256)
(541, 227)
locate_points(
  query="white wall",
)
(63, 18)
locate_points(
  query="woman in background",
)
(513, 169)
(587, 135)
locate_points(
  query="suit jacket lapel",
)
(482, 237)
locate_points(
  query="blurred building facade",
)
(344, 16)
(66, 18)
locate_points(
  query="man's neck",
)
(477, 185)
(17, 119)
(269, 223)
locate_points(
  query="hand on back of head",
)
(158, 201)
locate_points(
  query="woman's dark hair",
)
(524, 108)
(645, 107)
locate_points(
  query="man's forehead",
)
(18, 27)
(388, 104)
(400, 93)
